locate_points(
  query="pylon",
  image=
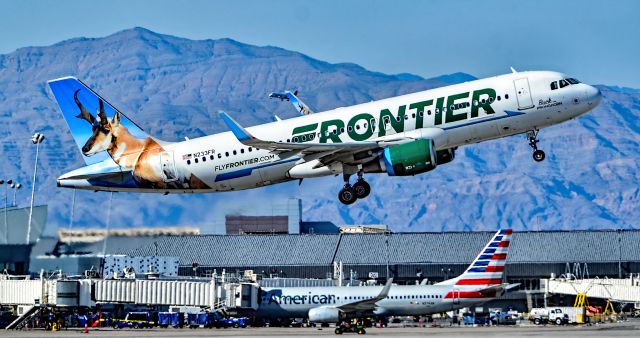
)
(86, 328)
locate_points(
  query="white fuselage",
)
(403, 300)
(484, 109)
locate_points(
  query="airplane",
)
(400, 136)
(480, 282)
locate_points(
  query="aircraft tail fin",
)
(488, 267)
(89, 117)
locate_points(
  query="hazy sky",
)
(595, 41)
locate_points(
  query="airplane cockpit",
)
(563, 83)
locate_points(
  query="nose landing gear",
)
(350, 193)
(538, 155)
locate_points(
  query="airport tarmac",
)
(624, 329)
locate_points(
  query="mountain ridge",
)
(174, 86)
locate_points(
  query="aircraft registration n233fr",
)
(400, 136)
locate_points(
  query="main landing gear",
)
(538, 155)
(350, 193)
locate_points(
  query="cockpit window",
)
(563, 83)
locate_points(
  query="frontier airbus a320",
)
(404, 135)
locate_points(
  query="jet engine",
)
(445, 155)
(325, 314)
(411, 158)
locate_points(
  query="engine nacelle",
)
(411, 158)
(445, 155)
(325, 315)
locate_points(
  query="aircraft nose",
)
(594, 95)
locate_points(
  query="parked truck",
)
(559, 315)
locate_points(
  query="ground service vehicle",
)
(136, 320)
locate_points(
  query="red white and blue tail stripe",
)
(488, 267)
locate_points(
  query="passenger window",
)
(211, 157)
(506, 96)
(251, 149)
(406, 117)
(219, 155)
(188, 162)
(413, 116)
(498, 97)
(554, 85)
(204, 159)
(563, 83)
(234, 152)
(350, 128)
(195, 160)
(242, 151)
(226, 153)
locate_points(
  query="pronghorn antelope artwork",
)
(140, 157)
(399, 136)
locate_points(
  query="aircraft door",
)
(456, 297)
(523, 93)
(169, 173)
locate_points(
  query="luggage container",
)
(173, 319)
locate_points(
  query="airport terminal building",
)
(315, 249)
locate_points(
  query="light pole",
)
(386, 233)
(6, 224)
(15, 187)
(36, 139)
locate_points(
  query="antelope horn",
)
(84, 114)
(102, 115)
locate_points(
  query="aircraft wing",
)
(325, 152)
(300, 106)
(368, 304)
(323, 149)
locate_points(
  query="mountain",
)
(173, 87)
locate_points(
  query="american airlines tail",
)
(488, 267)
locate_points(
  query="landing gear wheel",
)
(538, 155)
(338, 330)
(361, 331)
(347, 195)
(362, 188)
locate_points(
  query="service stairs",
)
(22, 320)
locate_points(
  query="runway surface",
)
(624, 329)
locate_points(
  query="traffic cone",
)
(86, 328)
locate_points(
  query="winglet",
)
(300, 106)
(385, 290)
(238, 131)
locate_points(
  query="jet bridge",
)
(618, 290)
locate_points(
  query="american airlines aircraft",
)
(400, 136)
(481, 282)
